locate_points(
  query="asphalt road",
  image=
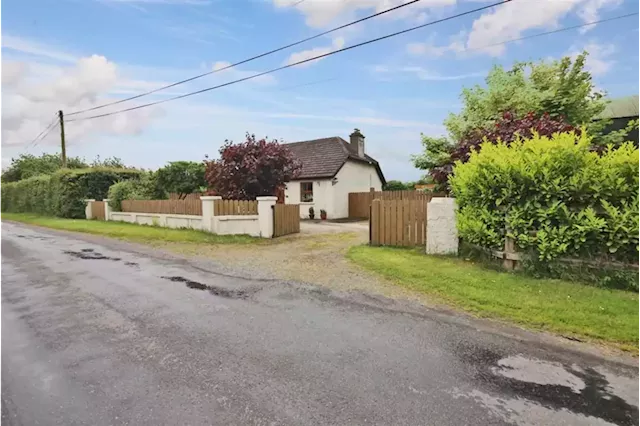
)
(96, 332)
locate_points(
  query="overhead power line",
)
(43, 134)
(344, 49)
(559, 30)
(253, 58)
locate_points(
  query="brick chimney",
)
(357, 141)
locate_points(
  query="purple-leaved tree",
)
(251, 169)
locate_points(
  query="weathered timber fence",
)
(398, 223)
(359, 202)
(286, 219)
(187, 206)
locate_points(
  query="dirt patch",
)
(317, 259)
(215, 290)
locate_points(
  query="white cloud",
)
(429, 48)
(31, 98)
(319, 13)
(588, 12)
(31, 47)
(337, 43)
(422, 73)
(599, 60)
(422, 49)
(511, 20)
(165, 2)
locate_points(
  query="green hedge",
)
(144, 188)
(554, 196)
(62, 193)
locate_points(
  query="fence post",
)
(266, 214)
(87, 209)
(508, 262)
(442, 233)
(208, 212)
(107, 209)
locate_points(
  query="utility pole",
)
(62, 141)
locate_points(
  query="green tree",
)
(109, 162)
(28, 165)
(561, 88)
(395, 185)
(181, 177)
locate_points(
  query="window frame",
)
(305, 192)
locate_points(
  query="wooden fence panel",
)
(191, 196)
(286, 219)
(398, 222)
(190, 206)
(359, 202)
(97, 210)
(235, 207)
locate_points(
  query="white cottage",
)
(331, 169)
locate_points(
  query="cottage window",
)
(306, 192)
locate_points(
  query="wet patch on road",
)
(131, 263)
(33, 237)
(90, 254)
(583, 392)
(215, 290)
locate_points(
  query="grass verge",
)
(129, 231)
(563, 307)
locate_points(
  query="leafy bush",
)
(62, 193)
(182, 177)
(553, 195)
(507, 129)
(251, 169)
(145, 188)
(28, 165)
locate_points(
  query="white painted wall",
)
(354, 176)
(237, 225)
(322, 197)
(222, 225)
(157, 219)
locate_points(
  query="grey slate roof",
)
(323, 158)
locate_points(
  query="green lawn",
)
(130, 232)
(563, 307)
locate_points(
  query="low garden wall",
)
(159, 219)
(236, 223)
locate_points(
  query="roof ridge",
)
(311, 140)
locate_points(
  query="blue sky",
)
(74, 54)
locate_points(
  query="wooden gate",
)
(398, 223)
(97, 210)
(360, 202)
(286, 219)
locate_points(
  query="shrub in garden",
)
(144, 188)
(251, 169)
(553, 195)
(507, 129)
(181, 177)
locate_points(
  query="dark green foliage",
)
(62, 193)
(600, 275)
(396, 185)
(182, 177)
